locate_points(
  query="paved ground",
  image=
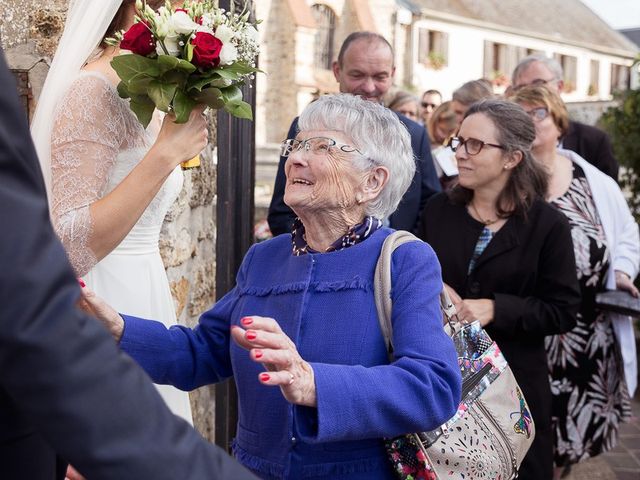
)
(623, 462)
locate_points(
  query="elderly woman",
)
(506, 254)
(405, 104)
(299, 332)
(590, 395)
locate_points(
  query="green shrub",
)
(622, 122)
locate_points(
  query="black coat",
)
(529, 270)
(66, 391)
(593, 145)
(425, 184)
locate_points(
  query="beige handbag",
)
(492, 430)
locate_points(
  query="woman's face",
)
(485, 169)
(408, 109)
(321, 176)
(547, 132)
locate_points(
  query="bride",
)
(111, 182)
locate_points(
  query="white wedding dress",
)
(96, 141)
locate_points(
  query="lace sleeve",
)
(85, 140)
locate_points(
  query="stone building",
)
(29, 31)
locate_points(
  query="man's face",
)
(367, 70)
(537, 73)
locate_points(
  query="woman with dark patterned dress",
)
(590, 392)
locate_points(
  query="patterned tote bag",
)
(491, 431)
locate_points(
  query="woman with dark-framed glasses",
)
(592, 368)
(506, 255)
(300, 334)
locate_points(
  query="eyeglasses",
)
(538, 114)
(538, 82)
(471, 145)
(427, 105)
(318, 146)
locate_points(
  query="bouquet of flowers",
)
(182, 57)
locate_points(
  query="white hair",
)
(551, 63)
(376, 132)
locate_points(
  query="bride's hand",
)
(179, 142)
(624, 282)
(97, 307)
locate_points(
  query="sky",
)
(617, 13)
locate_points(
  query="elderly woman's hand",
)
(624, 282)
(268, 344)
(97, 307)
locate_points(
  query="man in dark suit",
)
(66, 391)
(589, 142)
(365, 67)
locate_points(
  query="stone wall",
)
(29, 31)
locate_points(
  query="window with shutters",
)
(433, 48)
(620, 78)
(325, 34)
(569, 66)
(594, 78)
(499, 61)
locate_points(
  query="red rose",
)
(206, 51)
(138, 39)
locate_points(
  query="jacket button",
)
(294, 440)
(474, 288)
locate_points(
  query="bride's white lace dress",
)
(96, 141)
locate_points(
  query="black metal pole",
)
(234, 217)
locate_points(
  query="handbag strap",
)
(382, 287)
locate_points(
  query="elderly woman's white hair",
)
(377, 132)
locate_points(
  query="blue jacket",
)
(324, 303)
(424, 185)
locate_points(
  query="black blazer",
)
(425, 183)
(529, 270)
(66, 391)
(593, 145)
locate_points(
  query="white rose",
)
(224, 34)
(181, 23)
(162, 27)
(228, 53)
(252, 33)
(171, 43)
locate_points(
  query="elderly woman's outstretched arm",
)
(419, 391)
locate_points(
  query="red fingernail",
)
(257, 353)
(81, 282)
(247, 321)
(265, 377)
(250, 335)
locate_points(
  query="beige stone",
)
(180, 292)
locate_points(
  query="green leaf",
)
(168, 62)
(239, 109)
(209, 81)
(143, 108)
(162, 94)
(190, 48)
(231, 94)
(133, 67)
(123, 90)
(235, 70)
(179, 77)
(213, 97)
(139, 86)
(182, 106)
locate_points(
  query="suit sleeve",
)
(60, 368)
(554, 307)
(355, 402)
(430, 182)
(280, 216)
(606, 160)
